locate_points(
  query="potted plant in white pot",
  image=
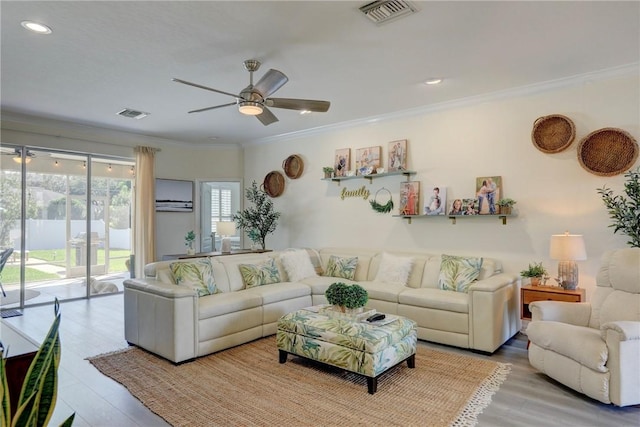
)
(189, 238)
(260, 219)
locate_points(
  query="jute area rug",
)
(246, 386)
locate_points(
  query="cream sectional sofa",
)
(173, 322)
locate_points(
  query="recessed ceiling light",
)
(433, 81)
(305, 112)
(36, 27)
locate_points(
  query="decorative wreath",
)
(385, 208)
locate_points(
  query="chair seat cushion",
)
(582, 344)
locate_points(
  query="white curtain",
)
(144, 240)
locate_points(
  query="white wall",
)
(451, 147)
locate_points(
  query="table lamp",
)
(567, 249)
(226, 229)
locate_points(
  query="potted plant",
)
(624, 210)
(505, 205)
(37, 398)
(343, 296)
(328, 171)
(537, 273)
(260, 219)
(188, 242)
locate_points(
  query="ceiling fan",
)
(17, 155)
(253, 100)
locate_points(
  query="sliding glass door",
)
(67, 218)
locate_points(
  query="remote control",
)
(375, 317)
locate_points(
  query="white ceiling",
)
(106, 56)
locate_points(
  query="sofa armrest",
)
(494, 315)
(623, 345)
(573, 313)
(157, 287)
(161, 318)
(626, 330)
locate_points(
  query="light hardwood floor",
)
(89, 328)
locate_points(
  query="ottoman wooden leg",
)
(411, 361)
(372, 384)
(282, 356)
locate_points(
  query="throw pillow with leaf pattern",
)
(264, 273)
(197, 274)
(343, 267)
(457, 273)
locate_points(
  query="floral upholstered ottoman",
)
(344, 342)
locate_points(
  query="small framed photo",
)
(367, 158)
(488, 192)
(397, 155)
(456, 207)
(342, 162)
(469, 206)
(410, 198)
(435, 200)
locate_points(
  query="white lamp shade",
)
(567, 247)
(226, 228)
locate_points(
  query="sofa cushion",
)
(457, 273)
(320, 284)
(228, 302)
(196, 274)
(297, 264)
(394, 269)
(582, 344)
(383, 291)
(280, 291)
(343, 267)
(260, 274)
(436, 299)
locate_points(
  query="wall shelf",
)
(453, 218)
(371, 177)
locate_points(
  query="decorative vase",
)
(536, 281)
(327, 175)
(190, 249)
(505, 210)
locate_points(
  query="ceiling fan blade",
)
(270, 82)
(184, 82)
(212, 108)
(299, 104)
(267, 117)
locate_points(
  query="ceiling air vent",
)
(386, 10)
(132, 114)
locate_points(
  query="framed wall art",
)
(342, 162)
(397, 155)
(488, 192)
(367, 158)
(174, 195)
(435, 200)
(409, 198)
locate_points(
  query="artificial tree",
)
(625, 211)
(261, 218)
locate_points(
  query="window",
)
(220, 206)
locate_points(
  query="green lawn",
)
(11, 274)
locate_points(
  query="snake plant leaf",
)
(5, 417)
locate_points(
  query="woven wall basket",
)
(553, 133)
(293, 166)
(608, 152)
(273, 184)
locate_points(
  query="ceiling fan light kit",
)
(253, 100)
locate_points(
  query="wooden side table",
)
(528, 294)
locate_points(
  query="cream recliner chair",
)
(594, 347)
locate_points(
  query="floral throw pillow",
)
(197, 274)
(264, 273)
(457, 273)
(341, 267)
